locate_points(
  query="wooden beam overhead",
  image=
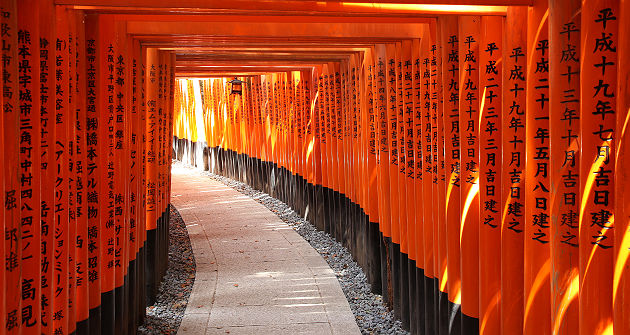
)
(294, 7)
(285, 30)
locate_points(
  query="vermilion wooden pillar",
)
(452, 213)
(564, 162)
(427, 183)
(469, 102)
(383, 180)
(29, 163)
(599, 42)
(513, 172)
(621, 277)
(81, 261)
(441, 262)
(392, 130)
(419, 204)
(537, 289)
(11, 172)
(62, 158)
(490, 129)
(93, 166)
(380, 60)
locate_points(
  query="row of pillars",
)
(478, 174)
(85, 131)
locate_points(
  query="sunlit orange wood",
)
(452, 143)
(537, 260)
(512, 175)
(469, 102)
(599, 43)
(564, 162)
(621, 276)
(490, 129)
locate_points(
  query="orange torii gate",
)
(470, 154)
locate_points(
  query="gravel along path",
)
(371, 315)
(166, 314)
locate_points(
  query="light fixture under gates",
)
(237, 86)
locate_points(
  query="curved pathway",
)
(255, 274)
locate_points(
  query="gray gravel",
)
(371, 315)
(166, 314)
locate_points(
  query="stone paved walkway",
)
(255, 274)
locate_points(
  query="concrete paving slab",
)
(320, 328)
(255, 274)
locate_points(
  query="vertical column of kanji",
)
(402, 171)
(599, 42)
(305, 135)
(159, 164)
(142, 187)
(391, 154)
(345, 162)
(380, 61)
(266, 129)
(418, 207)
(512, 175)
(366, 95)
(371, 114)
(152, 212)
(392, 126)
(357, 175)
(536, 247)
(48, 166)
(439, 150)
(93, 166)
(437, 125)
(108, 190)
(392, 175)
(62, 153)
(491, 80)
(257, 123)
(296, 148)
(134, 180)
(12, 171)
(283, 119)
(161, 156)
(408, 146)
(169, 133)
(166, 107)
(337, 148)
(469, 200)
(81, 256)
(318, 153)
(73, 172)
(564, 163)
(343, 151)
(250, 127)
(121, 171)
(291, 135)
(621, 278)
(307, 141)
(427, 183)
(30, 166)
(450, 75)
(327, 176)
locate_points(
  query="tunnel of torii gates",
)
(472, 155)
